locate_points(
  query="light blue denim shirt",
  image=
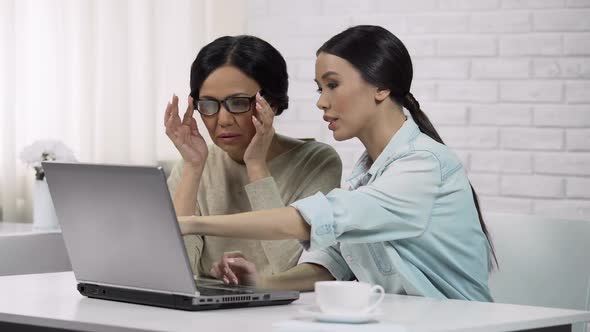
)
(408, 223)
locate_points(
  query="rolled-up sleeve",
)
(316, 210)
(331, 259)
(396, 205)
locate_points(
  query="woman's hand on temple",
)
(257, 151)
(185, 134)
(234, 268)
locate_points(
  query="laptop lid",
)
(116, 224)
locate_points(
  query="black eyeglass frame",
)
(251, 100)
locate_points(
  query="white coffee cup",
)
(347, 297)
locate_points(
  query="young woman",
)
(249, 167)
(410, 221)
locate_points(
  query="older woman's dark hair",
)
(383, 61)
(251, 55)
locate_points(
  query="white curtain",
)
(96, 75)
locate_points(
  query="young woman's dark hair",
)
(254, 57)
(383, 61)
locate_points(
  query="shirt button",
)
(349, 258)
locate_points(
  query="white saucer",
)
(354, 318)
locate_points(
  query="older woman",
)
(238, 85)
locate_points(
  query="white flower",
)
(45, 150)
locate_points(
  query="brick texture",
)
(505, 82)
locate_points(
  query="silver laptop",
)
(124, 243)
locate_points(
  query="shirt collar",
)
(408, 131)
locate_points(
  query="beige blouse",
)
(307, 168)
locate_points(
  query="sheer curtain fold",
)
(7, 114)
(94, 74)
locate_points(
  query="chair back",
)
(542, 261)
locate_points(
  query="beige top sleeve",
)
(192, 243)
(323, 174)
(264, 194)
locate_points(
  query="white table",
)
(51, 300)
(15, 228)
(24, 250)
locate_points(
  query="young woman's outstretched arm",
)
(275, 224)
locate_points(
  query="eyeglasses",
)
(234, 105)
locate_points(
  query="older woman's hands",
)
(257, 151)
(185, 135)
(234, 268)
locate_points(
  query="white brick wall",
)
(506, 83)
(504, 115)
(578, 139)
(509, 162)
(562, 68)
(561, 20)
(467, 91)
(514, 21)
(531, 91)
(531, 139)
(529, 44)
(480, 45)
(520, 185)
(577, 187)
(532, 4)
(499, 69)
(577, 44)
